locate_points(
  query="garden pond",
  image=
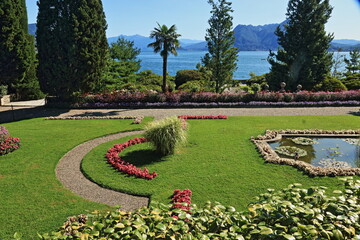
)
(324, 152)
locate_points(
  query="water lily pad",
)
(290, 151)
(304, 141)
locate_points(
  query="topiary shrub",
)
(184, 76)
(352, 81)
(330, 84)
(291, 213)
(166, 134)
(192, 86)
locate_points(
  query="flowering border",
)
(203, 117)
(137, 120)
(115, 160)
(269, 155)
(182, 199)
(213, 104)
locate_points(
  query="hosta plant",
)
(291, 213)
(166, 134)
(304, 141)
(290, 151)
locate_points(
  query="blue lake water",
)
(248, 61)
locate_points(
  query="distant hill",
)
(247, 38)
(142, 42)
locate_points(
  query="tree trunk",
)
(164, 88)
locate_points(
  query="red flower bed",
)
(203, 117)
(114, 159)
(181, 197)
(9, 144)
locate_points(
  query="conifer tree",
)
(72, 46)
(222, 56)
(303, 56)
(13, 44)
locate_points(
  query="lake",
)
(248, 61)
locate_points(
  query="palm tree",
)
(166, 42)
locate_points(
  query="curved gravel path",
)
(69, 173)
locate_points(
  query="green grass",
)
(219, 162)
(31, 198)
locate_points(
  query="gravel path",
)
(69, 173)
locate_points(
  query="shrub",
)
(255, 87)
(192, 86)
(330, 84)
(261, 79)
(184, 76)
(352, 82)
(291, 213)
(166, 134)
(3, 90)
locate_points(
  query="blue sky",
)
(131, 17)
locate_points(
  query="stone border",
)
(269, 155)
(68, 171)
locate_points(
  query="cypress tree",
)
(72, 46)
(14, 61)
(222, 56)
(303, 57)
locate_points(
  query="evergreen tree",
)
(353, 64)
(222, 56)
(72, 46)
(14, 61)
(303, 57)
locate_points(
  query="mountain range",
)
(247, 38)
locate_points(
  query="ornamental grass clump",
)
(166, 134)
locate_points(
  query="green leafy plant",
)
(166, 134)
(291, 213)
(291, 151)
(304, 141)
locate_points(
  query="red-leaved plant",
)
(203, 117)
(7, 144)
(182, 199)
(115, 160)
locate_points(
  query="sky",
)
(130, 17)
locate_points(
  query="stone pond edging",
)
(270, 156)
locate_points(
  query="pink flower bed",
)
(9, 144)
(115, 160)
(203, 117)
(181, 197)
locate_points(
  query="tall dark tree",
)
(303, 56)
(166, 42)
(222, 56)
(72, 46)
(14, 44)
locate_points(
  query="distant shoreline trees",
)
(72, 46)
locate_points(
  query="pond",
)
(326, 152)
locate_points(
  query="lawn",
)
(219, 163)
(31, 198)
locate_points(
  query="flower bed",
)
(270, 155)
(137, 120)
(114, 159)
(206, 99)
(182, 199)
(7, 144)
(203, 117)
